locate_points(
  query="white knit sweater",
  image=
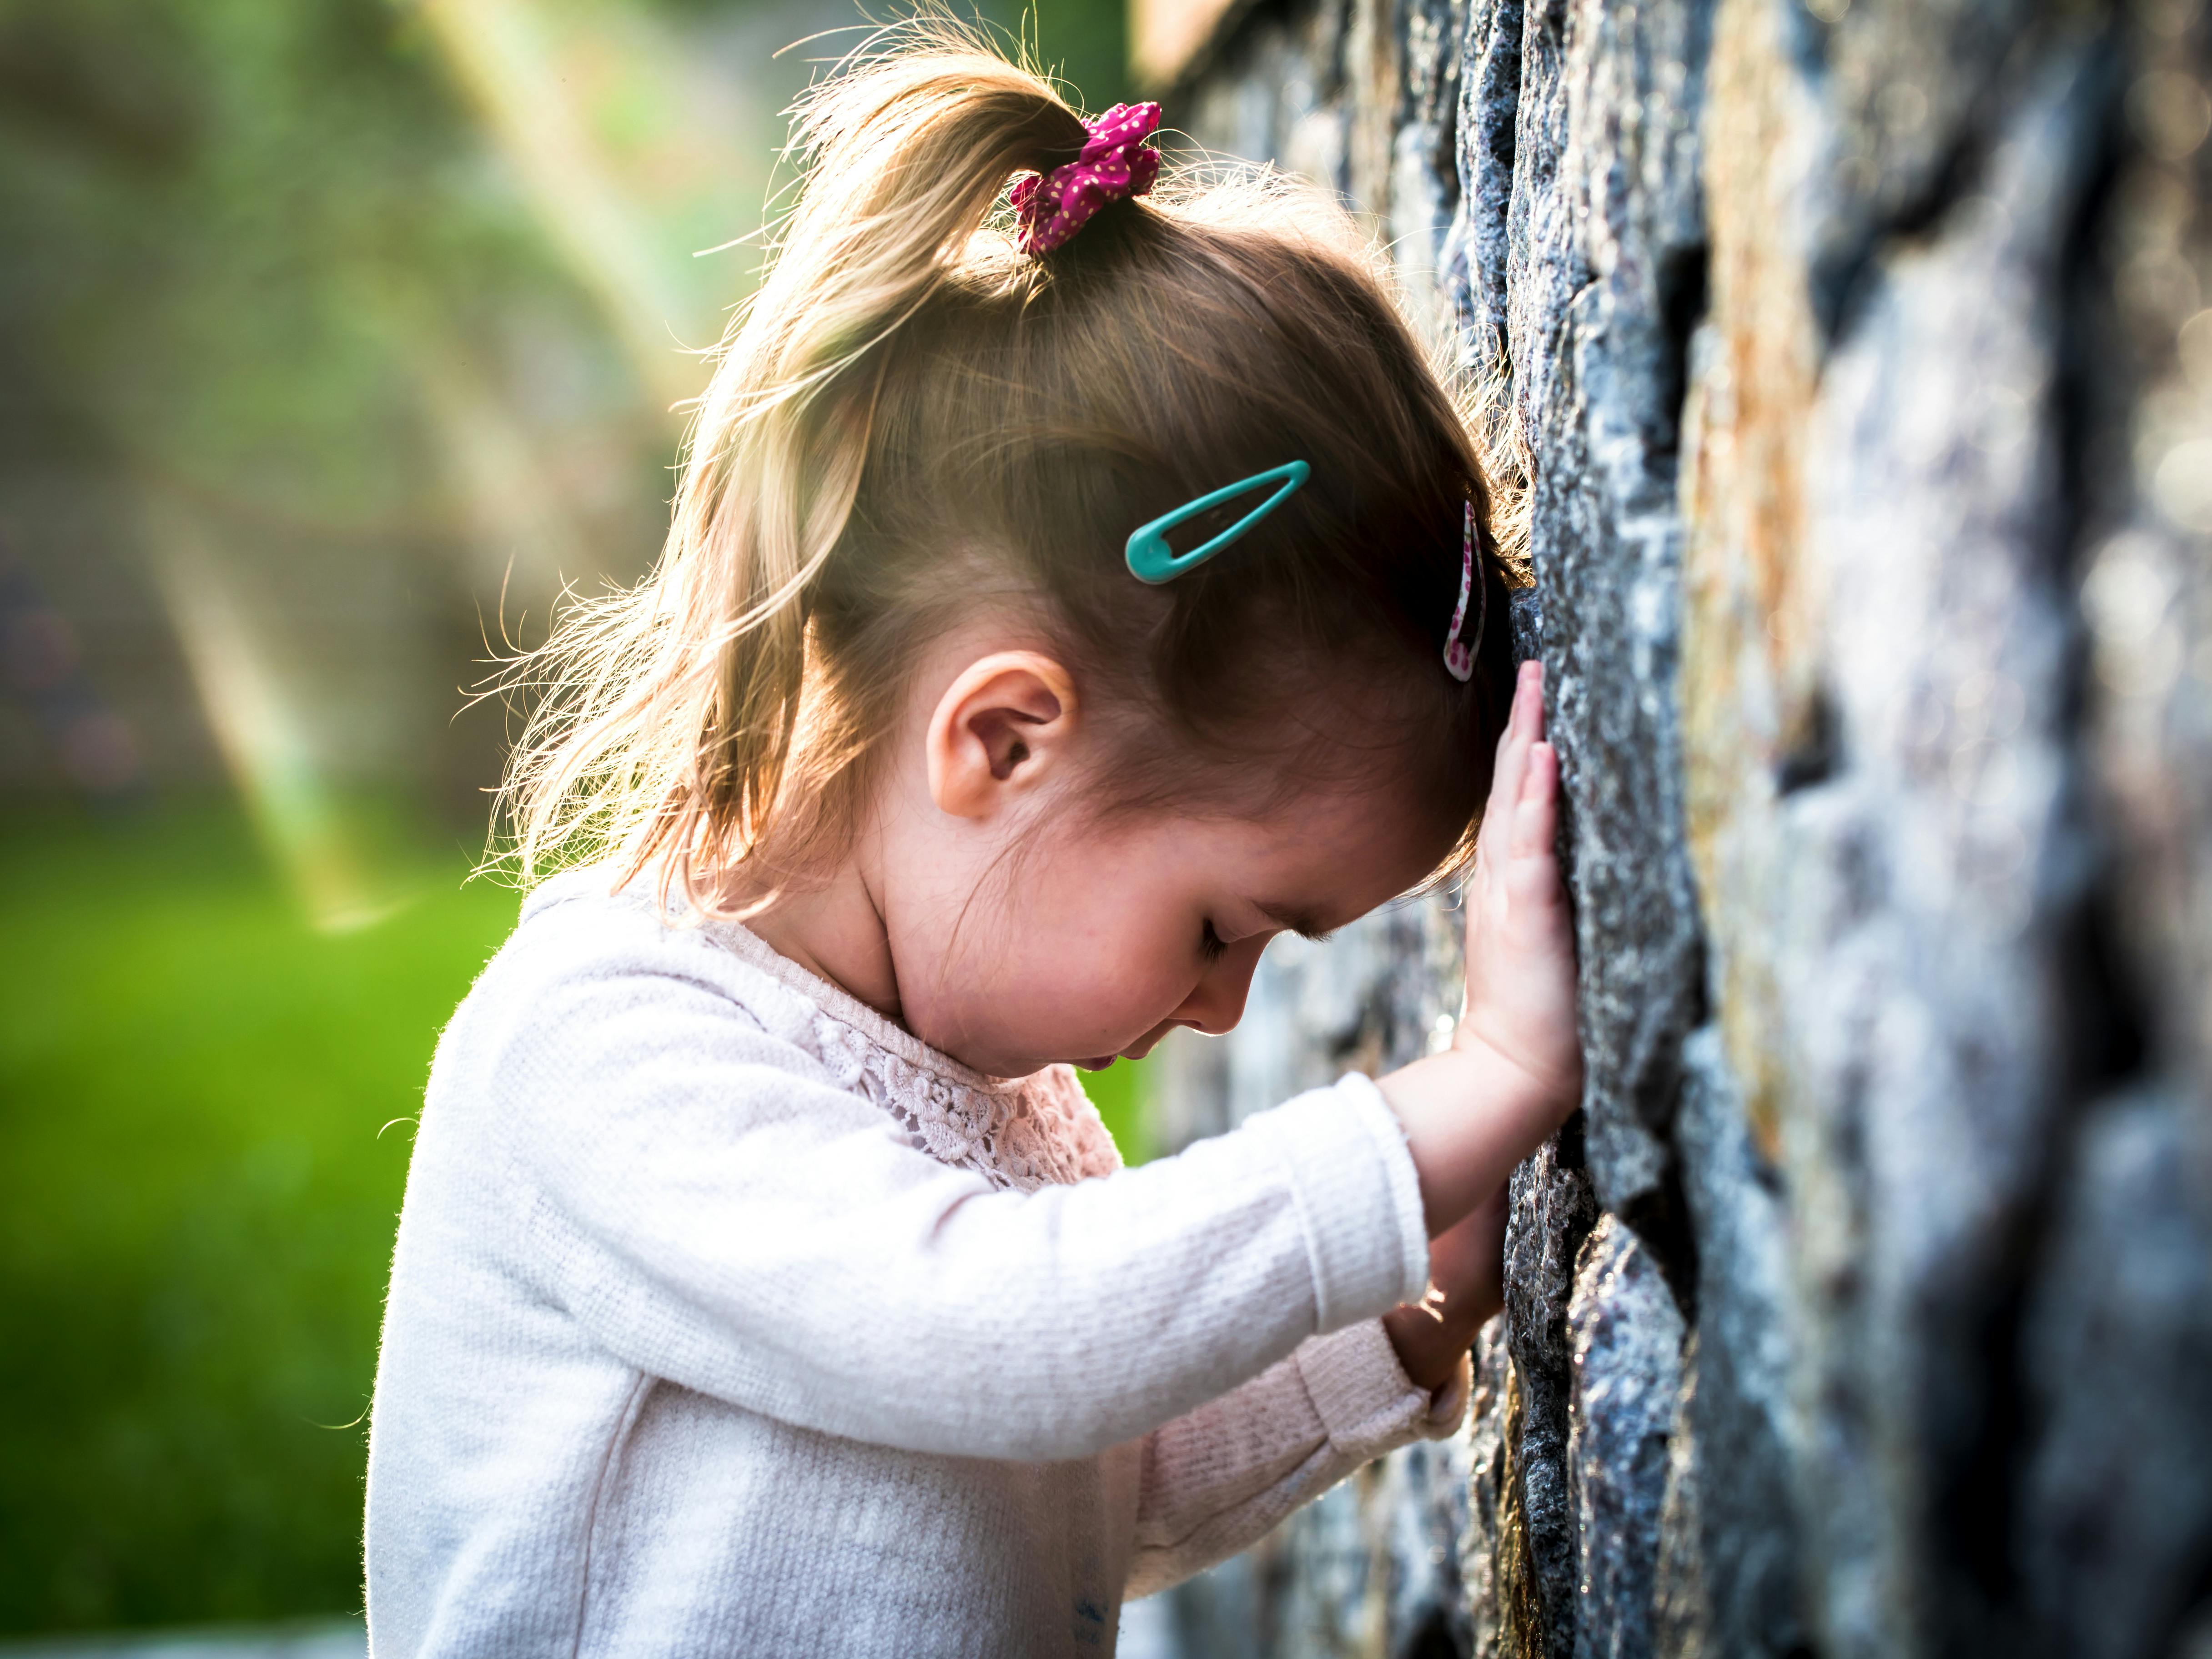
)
(726, 1318)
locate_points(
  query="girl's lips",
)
(1099, 1064)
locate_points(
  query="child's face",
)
(1024, 929)
(1101, 938)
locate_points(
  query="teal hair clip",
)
(1151, 559)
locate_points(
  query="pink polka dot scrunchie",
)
(1053, 206)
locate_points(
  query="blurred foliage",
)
(238, 226)
(218, 207)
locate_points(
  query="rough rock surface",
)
(1855, 359)
(1727, 1563)
(1552, 1213)
(1628, 1371)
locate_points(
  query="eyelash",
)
(1210, 946)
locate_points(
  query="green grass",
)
(195, 1091)
(193, 1085)
(1118, 1093)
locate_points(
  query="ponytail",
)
(670, 738)
(910, 414)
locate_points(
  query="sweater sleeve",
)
(1216, 1479)
(711, 1209)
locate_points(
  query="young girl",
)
(766, 1285)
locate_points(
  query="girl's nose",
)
(1217, 1002)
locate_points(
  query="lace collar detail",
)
(1017, 1132)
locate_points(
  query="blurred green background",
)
(336, 338)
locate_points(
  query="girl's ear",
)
(1004, 725)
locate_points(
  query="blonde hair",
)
(909, 417)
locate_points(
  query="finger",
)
(1504, 771)
(1513, 745)
(1536, 811)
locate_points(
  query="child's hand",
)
(1514, 1070)
(1520, 999)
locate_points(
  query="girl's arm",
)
(711, 1208)
(1217, 1479)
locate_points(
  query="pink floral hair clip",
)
(1114, 165)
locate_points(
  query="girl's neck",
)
(833, 927)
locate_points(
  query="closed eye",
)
(1209, 944)
(1297, 921)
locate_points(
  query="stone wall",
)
(1858, 356)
